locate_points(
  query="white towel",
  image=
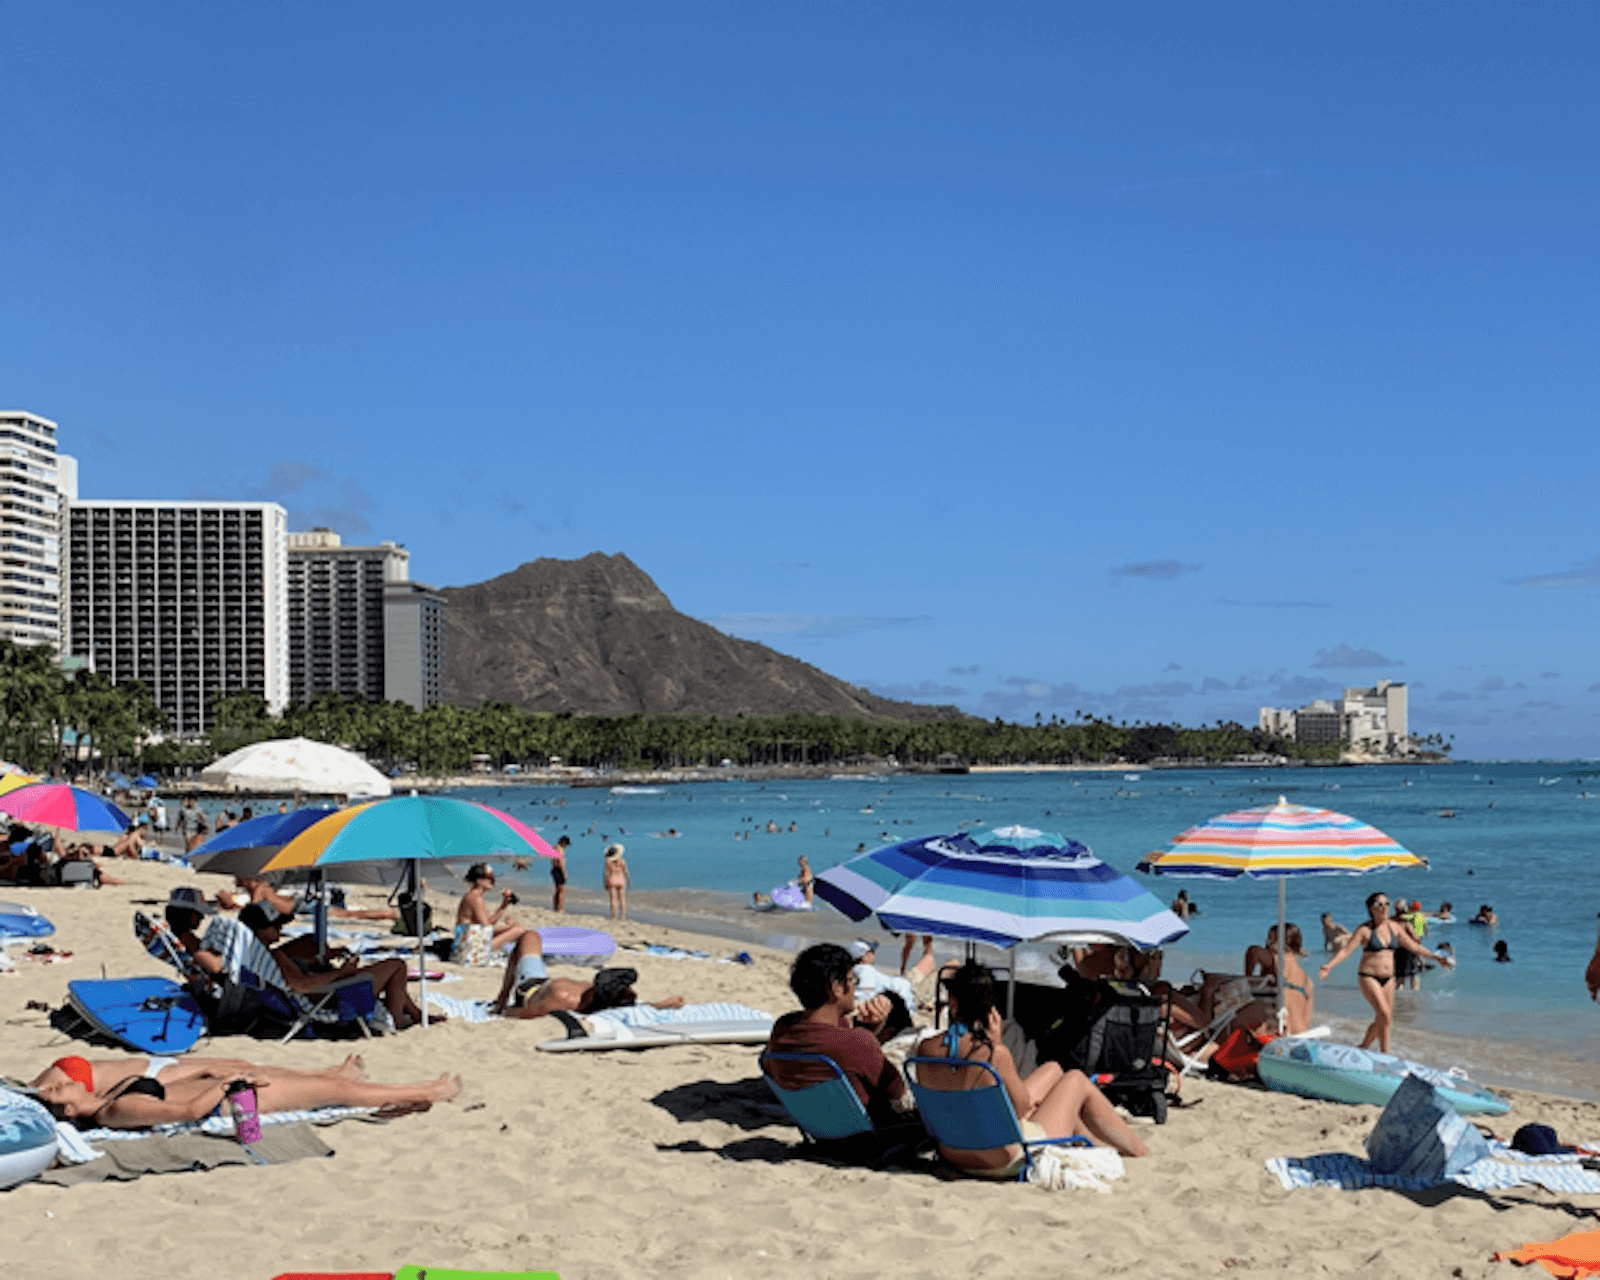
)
(1075, 1168)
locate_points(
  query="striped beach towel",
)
(1504, 1169)
(76, 1147)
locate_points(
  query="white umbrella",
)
(297, 764)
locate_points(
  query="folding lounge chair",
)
(1232, 996)
(247, 963)
(975, 1119)
(830, 1116)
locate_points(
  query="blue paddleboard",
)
(18, 923)
(150, 1015)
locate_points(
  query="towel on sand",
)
(186, 1152)
(1501, 1171)
(1574, 1255)
(1075, 1168)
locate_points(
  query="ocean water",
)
(1524, 838)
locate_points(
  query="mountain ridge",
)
(597, 636)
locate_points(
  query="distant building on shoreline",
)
(1374, 720)
(35, 483)
(358, 625)
(188, 597)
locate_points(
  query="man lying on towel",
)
(823, 979)
(529, 992)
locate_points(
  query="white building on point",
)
(35, 482)
(1376, 720)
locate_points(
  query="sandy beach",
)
(674, 1162)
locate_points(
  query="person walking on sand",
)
(558, 875)
(616, 879)
(1379, 939)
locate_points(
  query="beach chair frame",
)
(980, 1119)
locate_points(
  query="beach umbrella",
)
(1002, 887)
(245, 848)
(55, 804)
(410, 829)
(284, 765)
(1278, 841)
(11, 781)
(145, 780)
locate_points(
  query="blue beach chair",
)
(976, 1119)
(826, 1111)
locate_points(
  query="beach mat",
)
(1502, 1170)
(1575, 1255)
(189, 1153)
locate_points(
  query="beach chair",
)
(344, 1002)
(975, 1119)
(1231, 997)
(832, 1120)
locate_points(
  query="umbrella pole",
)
(1011, 987)
(319, 912)
(1283, 895)
(422, 968)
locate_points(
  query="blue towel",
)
(1503, 1169)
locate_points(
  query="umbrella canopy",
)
(245, 848)
(296, 764)
(145, 780)
(1280, 839)
(11, 781)
(55, 804)
(408, 828)
(1003, 887)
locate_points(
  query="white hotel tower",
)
(33, 480)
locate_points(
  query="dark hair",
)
(182, 919)
(899, 1016)
(255, 917)
(479, 871)
(816, 969)
(1373, 897)
(971, 987)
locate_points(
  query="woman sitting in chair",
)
(1050, 1103)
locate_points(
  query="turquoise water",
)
(1524, 839)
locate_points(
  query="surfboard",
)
(1344, 1073)
(18, 922)
(149, 1015)
(27, 1138)
(567, 944)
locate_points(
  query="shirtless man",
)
(529, 992)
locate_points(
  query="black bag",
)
(407, 923)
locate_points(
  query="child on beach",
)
(616, 880)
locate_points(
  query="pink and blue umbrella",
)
(55, 804)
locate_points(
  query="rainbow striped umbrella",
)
(10, 782)
(1277, 841)
(1280, 839)
(55, 804)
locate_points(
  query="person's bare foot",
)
(445, 1088)
(352, 1068)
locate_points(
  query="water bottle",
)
(241, 1097)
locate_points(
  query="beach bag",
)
(1419, 1135)
(474, 944)
(408, 922)
(1239, 1050)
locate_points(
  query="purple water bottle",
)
(242, 1107)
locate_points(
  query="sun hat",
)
(614, 850)
(1539, 1140)
(191, 898)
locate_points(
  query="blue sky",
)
(1158, 361)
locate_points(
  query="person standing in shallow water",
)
(558, 874)
(1379, 939)
(616, 879)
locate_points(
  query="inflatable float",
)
(1344, 1073)
(27, 1139)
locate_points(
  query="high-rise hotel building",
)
(34, 479)
(359, 625)
(189, 597)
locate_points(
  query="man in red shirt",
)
(822, 978)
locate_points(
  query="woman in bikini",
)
(1050, 1103)
(102, 1075)
(616, 879)
(142, 1101)
(1378, 939)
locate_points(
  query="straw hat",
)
(614, 851)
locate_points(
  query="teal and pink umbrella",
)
(55, 804)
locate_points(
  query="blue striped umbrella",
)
(1002, 887)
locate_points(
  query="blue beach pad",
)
(150, 1015)
(1344, 1073)
(18, 923)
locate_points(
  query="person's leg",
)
(188, 1068)
(1040, 1081)
(622, 902)
(506, 932)
(1075, 1105)
(530, 949)
(1376, 993)
(305, 1094)
(905, 952)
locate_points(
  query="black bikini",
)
(1373, 944)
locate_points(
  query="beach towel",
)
(1577, 1254)
(678, 953)
(1501, 1170)
(188, 1152)
(643, 1015)
(1075, 1168)
(462, 1010)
